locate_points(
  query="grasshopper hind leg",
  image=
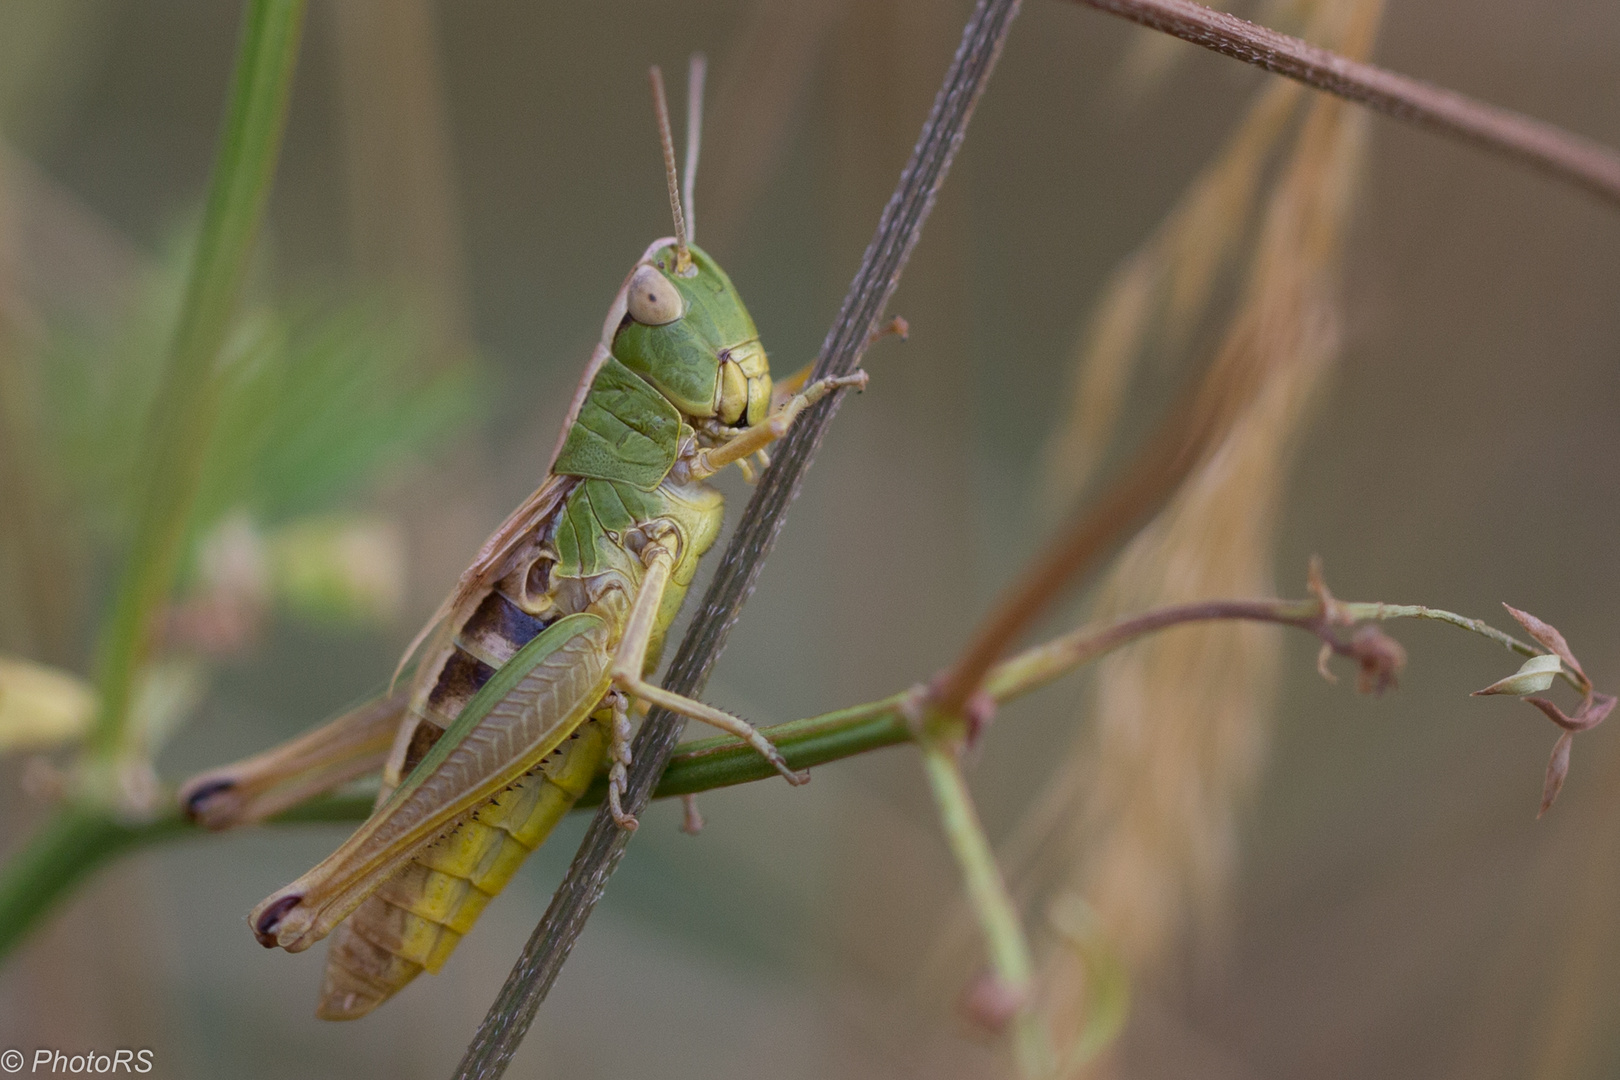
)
(261, 786)
(631, 657)
(619, 759)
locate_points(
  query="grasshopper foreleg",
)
(255, 788)
(706, 463)
(783, 389)
(631, 656)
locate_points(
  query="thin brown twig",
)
(1552, 150)
(1178, 445)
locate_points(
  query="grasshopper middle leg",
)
(631, 656)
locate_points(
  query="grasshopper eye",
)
(653, 301)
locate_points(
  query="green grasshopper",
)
(526, 673)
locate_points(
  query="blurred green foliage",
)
(315, 399)
(210, 410)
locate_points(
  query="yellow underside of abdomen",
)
(413, 922)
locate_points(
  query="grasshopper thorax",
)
(689, 335)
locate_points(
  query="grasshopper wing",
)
(494, 560)
(514, 535)
(523, 713)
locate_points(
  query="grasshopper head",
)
(690, 336)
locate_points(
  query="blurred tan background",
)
(1395, 908)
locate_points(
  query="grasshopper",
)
(526, 674)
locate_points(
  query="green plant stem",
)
(987, 895)
(60, 855)
(1108, 990)
(183, 412)
(80, 838)
(1376, 612)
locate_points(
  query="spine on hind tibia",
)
(413, 922)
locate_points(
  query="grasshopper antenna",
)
(683, 256)
(697, 68)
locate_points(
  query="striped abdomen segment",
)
(415, 920)
(486, 641)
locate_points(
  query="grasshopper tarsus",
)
(855, 380)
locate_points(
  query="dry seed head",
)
(1141, 820)
(768, 68)
(1108, 355)
(1169, 281)
(1166, 282)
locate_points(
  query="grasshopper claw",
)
(625, 821)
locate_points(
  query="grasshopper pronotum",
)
(527, 671)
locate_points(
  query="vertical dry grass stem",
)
(761, 79)
(403, 219)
